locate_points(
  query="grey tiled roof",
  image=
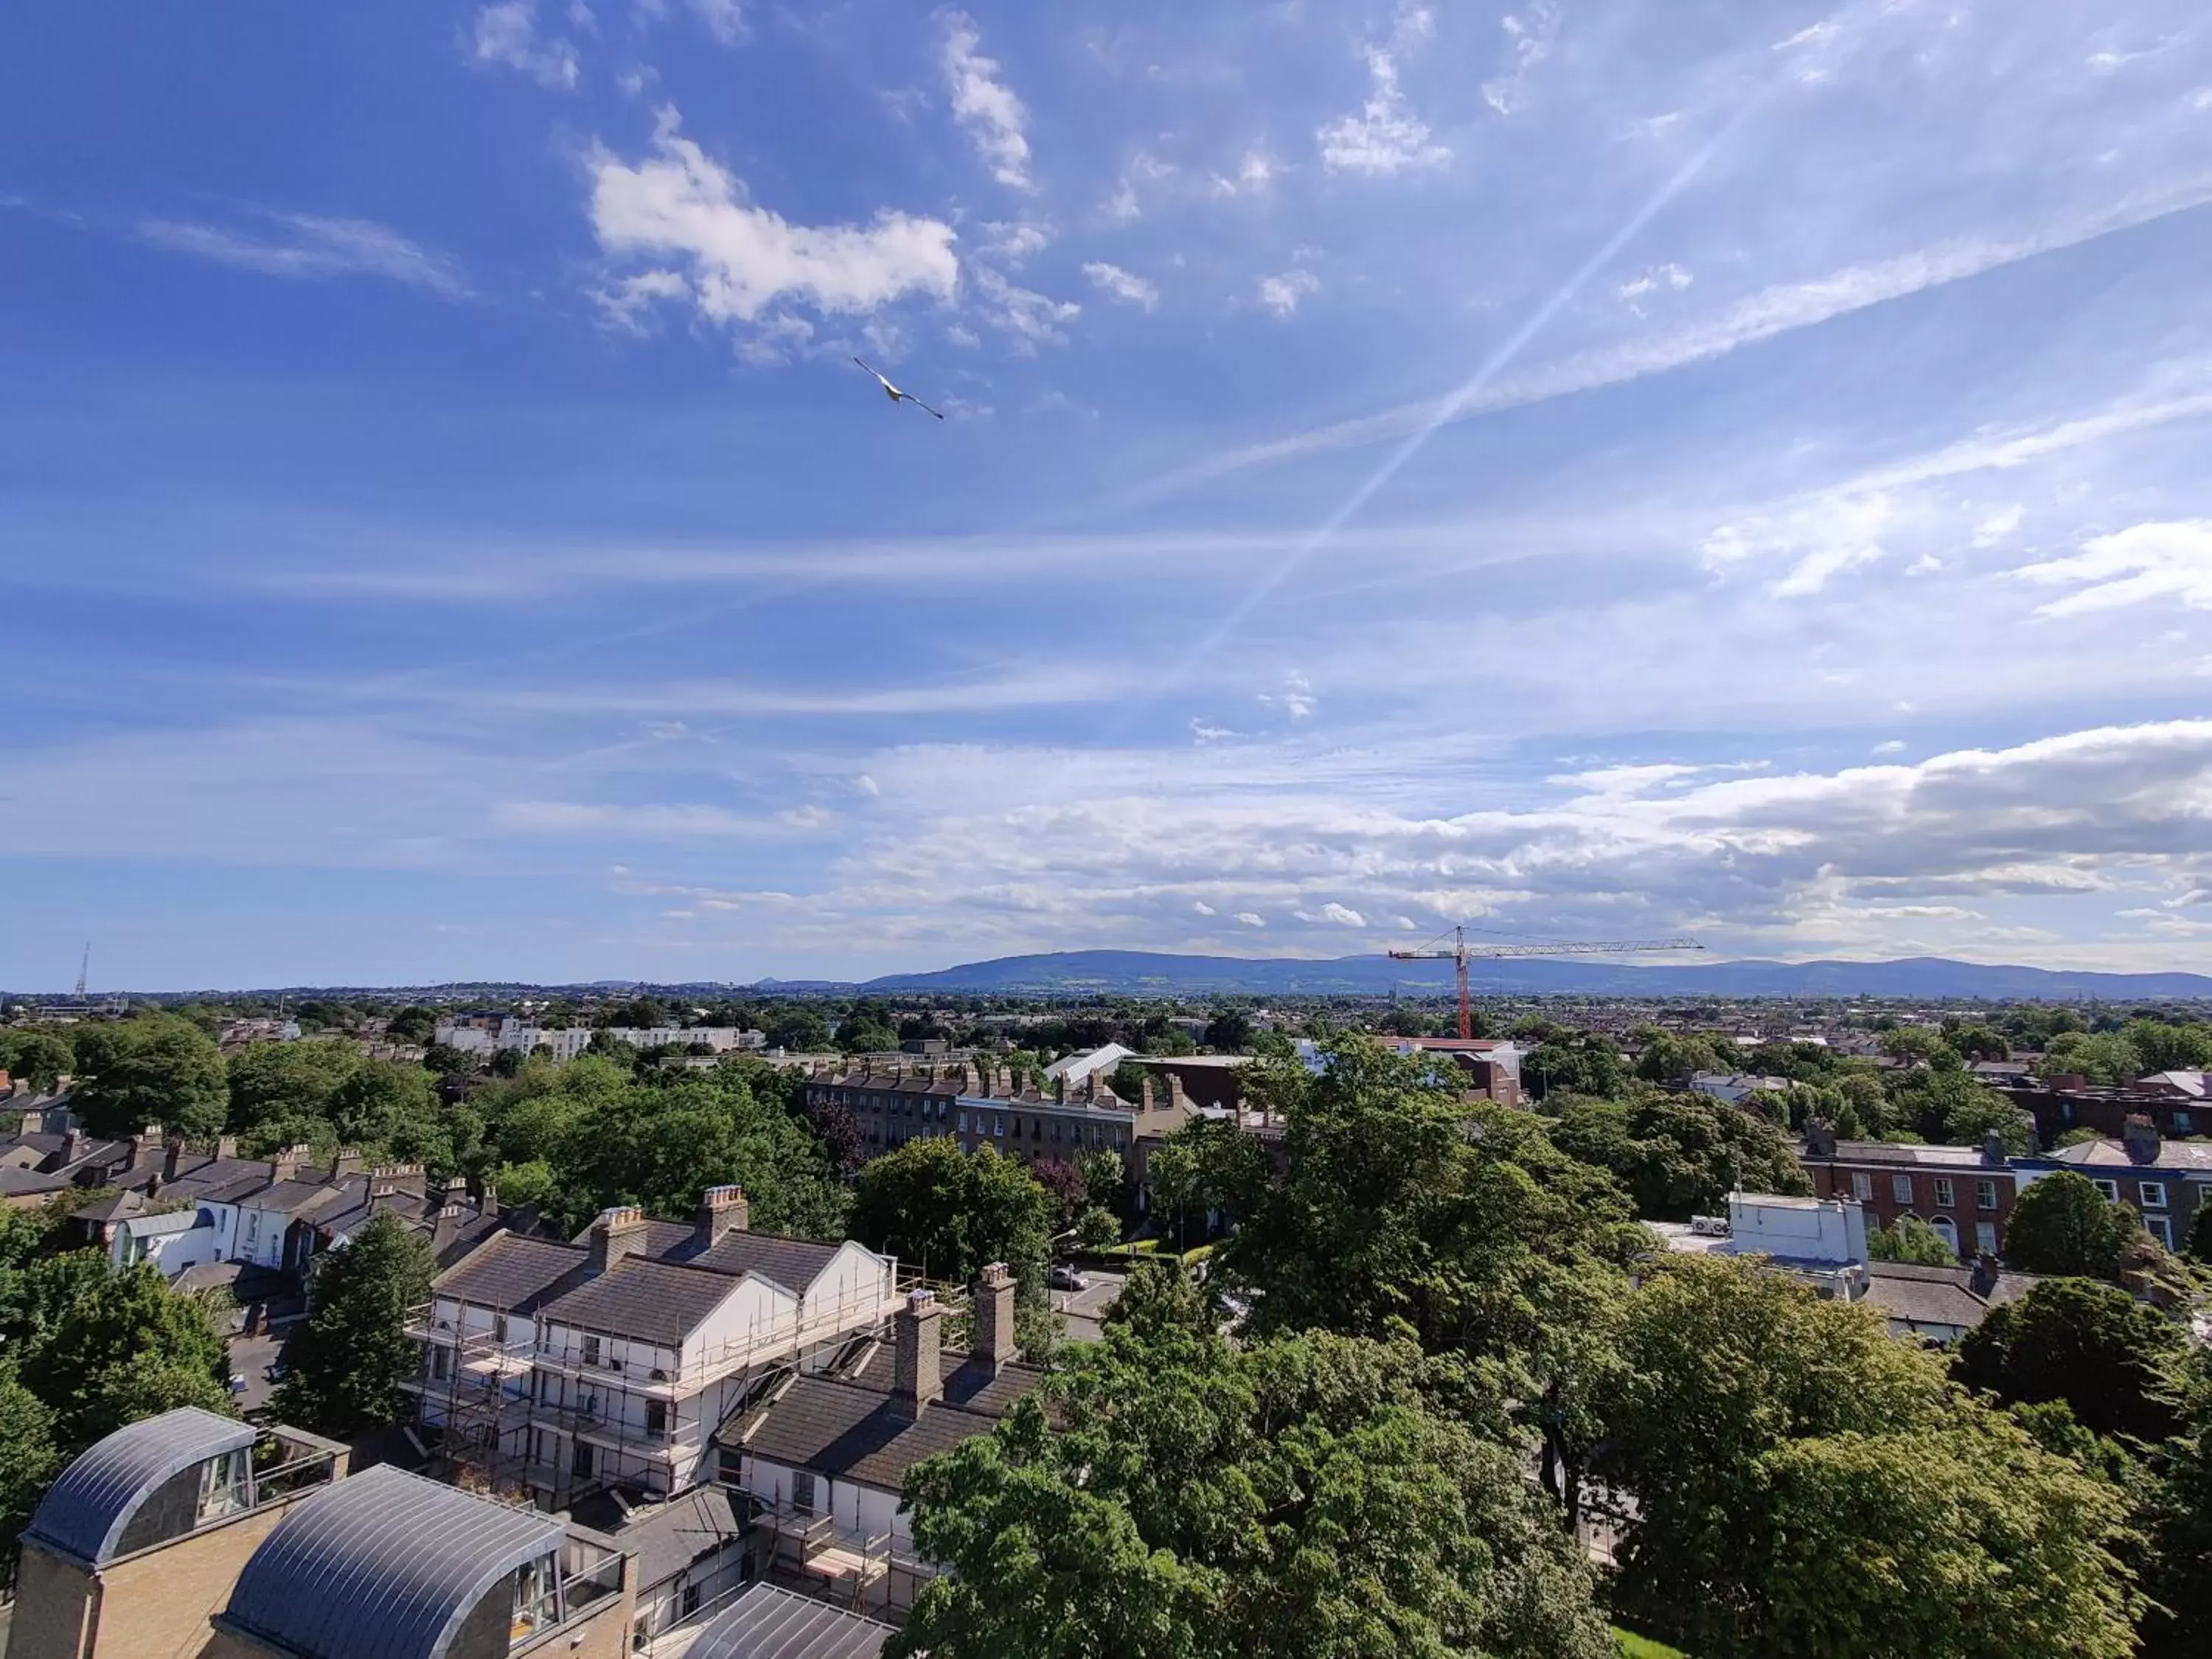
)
(1926, 1302)
(665, 1542)
(661, 1237)
(512, 1273)
(656, 1301)
(2191, 1155)
(770, 1622)
(850, 1429)
(84, 1513)
(791, 1262)
(384, 1566)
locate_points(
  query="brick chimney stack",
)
(345, 1162)
(994, 1315)
(917, 1339)
(172, 1156)
(619, 1232)
(1819, 1138)
(2140, 1136)
(721, 1210)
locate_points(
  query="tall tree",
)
(948, 1213)
(2177, 1519)
(153, 1068)
(2061, 1225)
(28, 1457)
(38, 1058)
(1302, 1496)
(1909, 1238)
(346, 1364)
(107, 1347)
(2089, 1344)
(1778, 1444)
(273, 1082)
(1679, 1154)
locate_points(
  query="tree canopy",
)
(346, 1364)
(948, 1213)
(151, 1068)
(1679, 1154)
(2089, 1344)
(2061, 1225)
(1808, 1486)
(1306, 1496)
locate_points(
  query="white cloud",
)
(1386, 137)
(1014, 241)
(725, 19)
(1342, 916)
(627, 303)
(1835, 532)
(1204, 732)
(2168, 563)
(1529, 36)
(1780, 309)
(312, 247)
(1250, 919)
(1203, 907)
(866, 785)
(1893, 746)
(1281, 293)
(985, 106)
(1032, 318)
(1122, 205)
(1297, 700)
(744, 258)
(1997, 527)
(1125, 286)
(1671, 278)
(1254, 173)
(507, 34)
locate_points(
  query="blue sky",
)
(1587, 468)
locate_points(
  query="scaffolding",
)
(491, 1401)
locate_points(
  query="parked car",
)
(1064, 1278)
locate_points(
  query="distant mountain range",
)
(1139, 972)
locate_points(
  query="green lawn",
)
(1641, 1647)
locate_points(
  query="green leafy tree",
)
(1106, 1181)
(1097, 1229)
(2176, 1521)
(1979, 1042)
(2106, 1058)
(1909, 1238)
(107, 1347)
(413, 1023)
(38, 1058)
(1171, 1176)
(2198, 1245)
(1575, 1063)
(278, 1083)
(2061, 1225)
(2161, 1047)
(1679, 1154)
(2089, 1344)
(28, 1457)
(346, 1364)
(1230, 1031)
(1778, 1444)
(154, 1069)
(948, 1212)
(393, 1107)
(798, 1029)
(1302, 1497)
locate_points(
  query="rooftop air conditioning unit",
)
(1710, 1226)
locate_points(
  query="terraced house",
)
(564, 1369)
(984, 1106)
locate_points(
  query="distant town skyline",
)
(1583, 471)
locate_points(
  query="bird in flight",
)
(895, 394)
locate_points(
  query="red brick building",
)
(1965, 1192)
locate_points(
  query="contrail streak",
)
(1450, 406)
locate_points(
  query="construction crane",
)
(83, 972)
(1461, 953)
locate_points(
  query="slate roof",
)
(661, 1237)
(667, 1542)
(656, 1301)
(27, 1184)
(1890, 1152)
(383, 1564)
(2108, 1154)
(85, 1511)
(850, 1428)
(512, 1273)
(793, 1263)
(770, 1622)
(1924, 1302)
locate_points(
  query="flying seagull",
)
(895, 394)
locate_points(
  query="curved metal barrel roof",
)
(384, 1566)
(770, 1622)
(85, 1511)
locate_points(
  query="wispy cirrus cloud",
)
(507, 34)
(986, 107)
(1125, 286)
(312, 247)
(1386, 137)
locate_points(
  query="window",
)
(1018, 1128)
(999, 1127)
(499, 1329)
(1862, 1185)
(1900, 1189)
(2110, 1188)
(580, 1459)
(2161, 1228)
(441, 1362)
(1985, 1194)
(537, 1602)
(223, 1484)
(2181, 1123)
(656, 1419)
(1943, 1199)
(1985, 1237)
(591, 1350)
(802, 1491)
(2153, 1194)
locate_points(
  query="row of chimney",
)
(917, 1339)
(621, 1231)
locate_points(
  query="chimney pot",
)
(722, 1210)
(917, 1377)
(994, 1315)
(619, 1232)
(226, 1145)
(345, 1162)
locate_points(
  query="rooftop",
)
(88, 1512)
(850, 1426)
(769, 1622)
(657, 1302)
